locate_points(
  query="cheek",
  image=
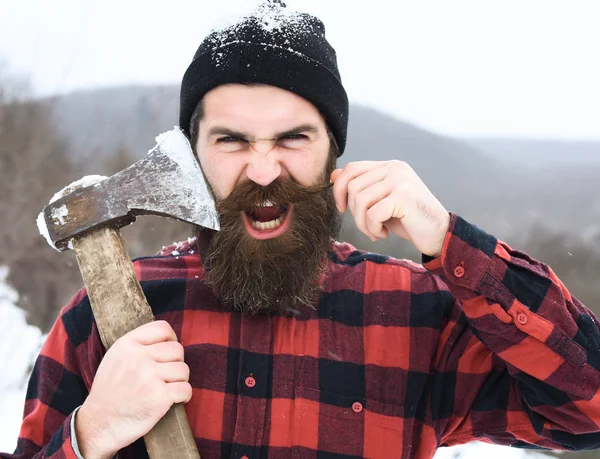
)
(222, 174)
(307, 170)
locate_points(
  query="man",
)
(284, 343)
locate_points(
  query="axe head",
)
(168, 182)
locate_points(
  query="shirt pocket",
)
(343, 425)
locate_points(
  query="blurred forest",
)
(549, 209)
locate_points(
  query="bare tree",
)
(33, 165)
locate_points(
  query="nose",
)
(263, 166)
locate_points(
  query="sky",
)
(525, 68)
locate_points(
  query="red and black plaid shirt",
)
(483, 343)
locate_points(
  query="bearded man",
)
(285, 343)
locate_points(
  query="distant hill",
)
(496, 183)
(102, 120)
(539, 153)
(99, 121)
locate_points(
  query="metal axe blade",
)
(168, 182)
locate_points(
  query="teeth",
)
(267, 203)
(267, 225)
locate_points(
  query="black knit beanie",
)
(273, 46)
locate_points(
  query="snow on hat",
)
(276, 46)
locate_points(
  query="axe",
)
(168, 182)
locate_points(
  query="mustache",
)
(281, 192)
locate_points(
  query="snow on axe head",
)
(168, 182)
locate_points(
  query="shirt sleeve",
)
(522, 353)
(59, 383)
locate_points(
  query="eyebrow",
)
(303, 128)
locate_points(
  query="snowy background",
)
(19, 346)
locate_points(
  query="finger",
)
(181, 392)
(362, 182)
(351, 171)
(376, 227)
(173, 372)
(381, 212)
(166, 351)
(366, 199)
(153, 332)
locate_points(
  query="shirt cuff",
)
(466, 265)
(74, 443)
(466, 256)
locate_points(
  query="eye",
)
(294, 137)
(229, 139)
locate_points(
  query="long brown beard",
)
(282, 274)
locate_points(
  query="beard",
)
(283, 274)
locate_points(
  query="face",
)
(260, 133)
(266, 153)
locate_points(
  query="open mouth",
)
(268, 220)
(267, 216)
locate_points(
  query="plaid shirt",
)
(482, 343)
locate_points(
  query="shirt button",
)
(357, 407)
(250, 382)
(459, 271)
(522, 318)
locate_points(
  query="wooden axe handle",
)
(119, 306)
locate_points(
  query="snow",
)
(19, 345)
(272, 19)
(60, 213)
(269, 17)
(189, 189)
(43, 229)
(176, 145)
(479, 450)
(88, 180)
